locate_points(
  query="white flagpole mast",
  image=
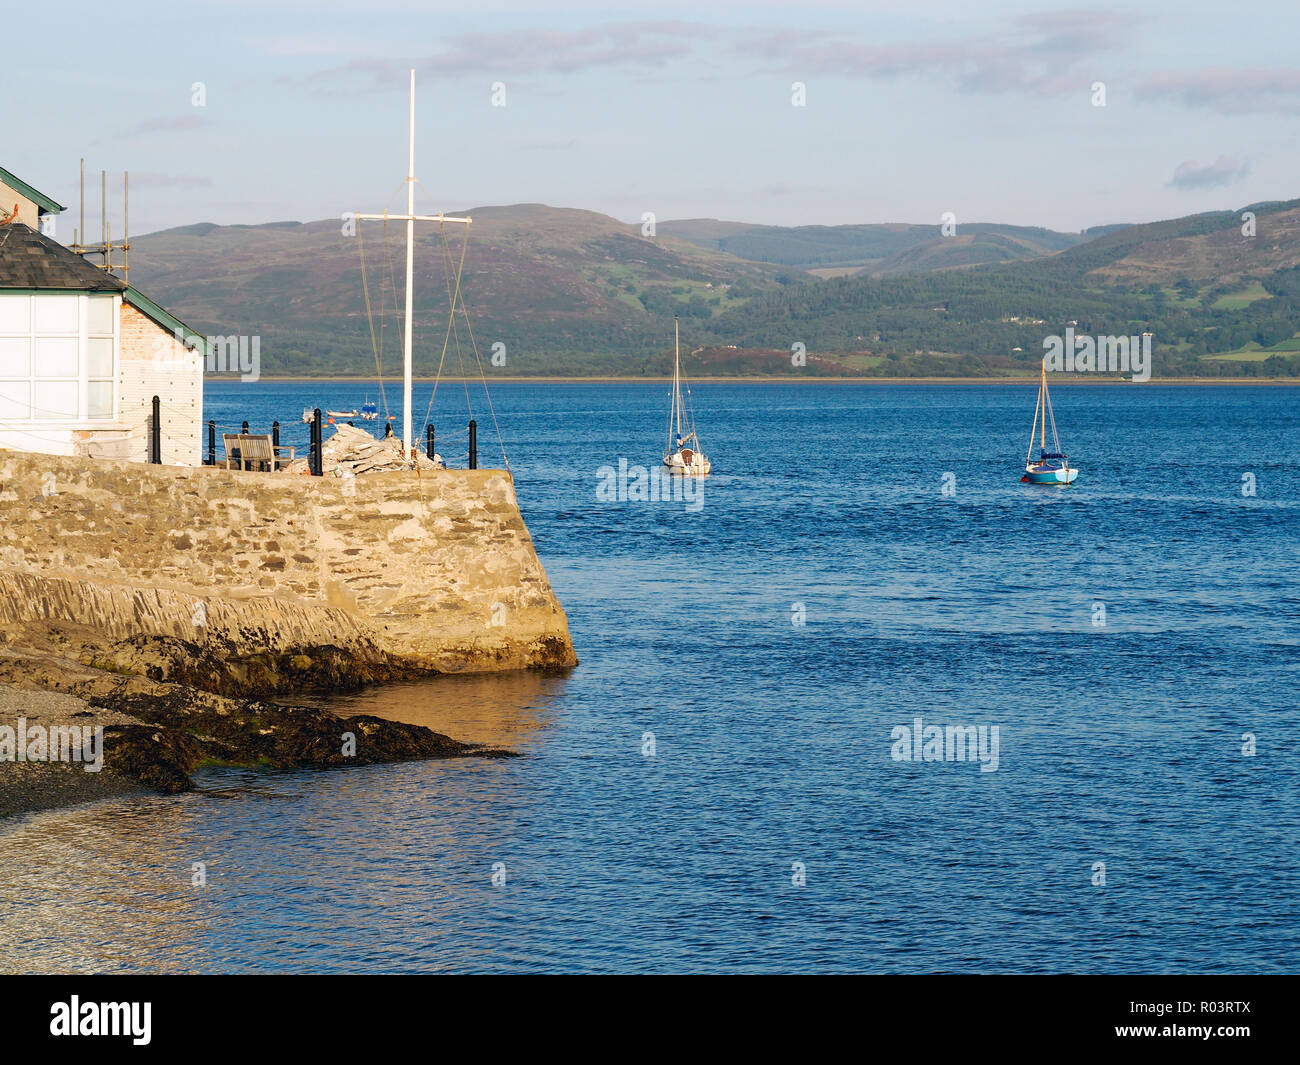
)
(410, 294)
(410, 218)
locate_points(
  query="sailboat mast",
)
(410, 272)
(1042, 399)
(677, 382)
(1034, 431)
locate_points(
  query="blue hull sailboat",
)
(1051, 467)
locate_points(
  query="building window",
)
(58, 357)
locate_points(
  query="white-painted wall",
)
(155, 363)
(61, 394)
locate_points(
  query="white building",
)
(82, 353)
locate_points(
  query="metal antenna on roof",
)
(106, 245)
(78, 249)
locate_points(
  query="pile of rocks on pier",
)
(352, 452)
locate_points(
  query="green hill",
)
(1217, 303)
(564, 290)
(575, 292)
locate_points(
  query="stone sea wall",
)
(414, 571)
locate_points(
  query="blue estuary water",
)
(862, 557)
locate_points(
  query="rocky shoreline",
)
(168, 707)
(190, 609)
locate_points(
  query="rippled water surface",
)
(1119, 743)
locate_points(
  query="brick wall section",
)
(155, 363)
(437, 568)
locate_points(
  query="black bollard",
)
(317, 458)
(275, 446)
(473, 444)
(428, 447)
(244, 430)
(212, 442)
(155, 433)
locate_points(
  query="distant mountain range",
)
(573, 292)
(879, 250)
(563, 290)
(1217, 300)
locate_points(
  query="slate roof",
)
(30, 260)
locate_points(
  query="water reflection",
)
(110, 877)
(502, 709)
(773, 741)
(108, 887)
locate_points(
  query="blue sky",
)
(683, 109)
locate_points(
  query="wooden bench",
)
(247, 451)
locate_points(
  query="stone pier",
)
(398, 573)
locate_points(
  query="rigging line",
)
(397, 195)
(451, 306)
(451, 319)
(487, 394)
(482, 376)
(392, 284)
(383, 294)
(420, 185)
(1056, 443)
(460, 361)
(384, 287)
(691, 408)
(459, 297)
(437, 377)
(392, 277)
(672, 407)
(453, 298)
(1034, 431)
(383, 320)
(370, 318)
(445, 341)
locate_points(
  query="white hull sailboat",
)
(683, 456)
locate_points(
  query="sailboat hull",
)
(698, 466)
(1033, 476)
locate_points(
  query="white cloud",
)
(1226, 170)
